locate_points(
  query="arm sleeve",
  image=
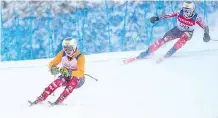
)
(174, 14)
(56, 60)
(201, 23)
(79, 72)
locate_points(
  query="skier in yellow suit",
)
(71, 71)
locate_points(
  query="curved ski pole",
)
(91, 77)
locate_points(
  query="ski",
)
(31, 103)
(50, 103)
(55, 104)
(129, 60)
(133, 59)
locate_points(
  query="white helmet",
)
(188, 9)
(69, 46)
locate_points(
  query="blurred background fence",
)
(35, 29)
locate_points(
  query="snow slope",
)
(181, 87)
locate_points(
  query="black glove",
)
(206, 37)
(154, 19)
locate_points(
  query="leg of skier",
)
(71, 85)
(170, 35)
(60, 81)
(181, 42)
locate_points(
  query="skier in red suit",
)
(187, 18)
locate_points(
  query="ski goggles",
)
(187, 11)
(69, 48)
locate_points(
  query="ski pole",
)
(214, 40)
(91, 77)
